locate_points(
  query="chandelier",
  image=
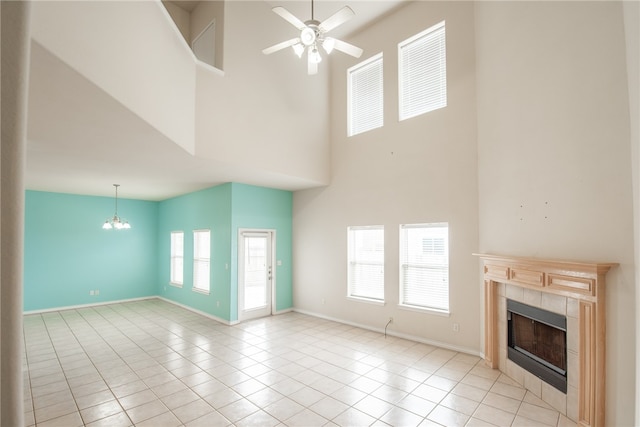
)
(115, 221)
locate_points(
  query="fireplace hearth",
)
(537, 341)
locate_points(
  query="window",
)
(366, 263)
(422, 71)
(365, 96)
(177, 257)
(201, 260)
(424, 266)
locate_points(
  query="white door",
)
(255, 273)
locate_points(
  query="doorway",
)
(256, 278)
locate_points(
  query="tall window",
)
(201, 260)
(177, 257)
(424, 266)
(422, 71)
(366, 262)
(365, 96)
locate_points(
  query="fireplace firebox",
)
(537, 341)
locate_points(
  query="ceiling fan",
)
(312, 35)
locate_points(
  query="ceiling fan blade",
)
(340, 17)
(347, 48)
(280, 46)
(312, 67)
(289, 17)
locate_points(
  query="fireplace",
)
(537, 341)
(573, 289)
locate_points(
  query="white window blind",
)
(422, 63)
(366, 262)
(424, 266)
(177, 257)
(365, 96)
(201, 260)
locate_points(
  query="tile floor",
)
(151, 363)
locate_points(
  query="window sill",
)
(201, 291)
(366, 300)
(424, 310)
(176, 285)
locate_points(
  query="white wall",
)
(554, 149)
(103, 41)
(632, 32)
(266, 112)
(181, 17)
(419, 170)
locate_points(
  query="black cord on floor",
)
(385, 328)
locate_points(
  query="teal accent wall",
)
(68, 254)
(264, 208)
(224, 210)
(205, 209)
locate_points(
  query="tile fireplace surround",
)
(573, 289)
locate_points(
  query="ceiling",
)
(73, 146)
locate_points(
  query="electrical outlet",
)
(97, 291)
(92, 293)
(456, 327)
(323, 301)
(217, 303)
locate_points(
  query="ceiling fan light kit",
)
(312, 34)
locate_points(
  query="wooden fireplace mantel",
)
(582, 281)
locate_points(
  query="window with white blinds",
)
(422, 71)
(177, 257)
(365, 96)
(366, 263)
(201, 260)
(424, 266)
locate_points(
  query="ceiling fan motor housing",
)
(310, 33)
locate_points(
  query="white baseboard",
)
(75, 307)
(393, 333)
(202, 313)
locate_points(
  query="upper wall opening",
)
(201, 23)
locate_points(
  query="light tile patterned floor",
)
(151, 363)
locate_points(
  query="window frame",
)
(173, 257)
(403, 104)
(404, 265)
(352, 71)
(198, 259)
(351, 262)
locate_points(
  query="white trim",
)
(366, 300)
(202, 313)
(176, 284)
(240, 273)
(286, 310)
(394, 334)
(425, 310)
(79, 306)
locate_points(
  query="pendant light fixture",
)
(115, 221)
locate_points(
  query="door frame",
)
(240, 262)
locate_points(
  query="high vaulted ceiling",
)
(81, 140)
